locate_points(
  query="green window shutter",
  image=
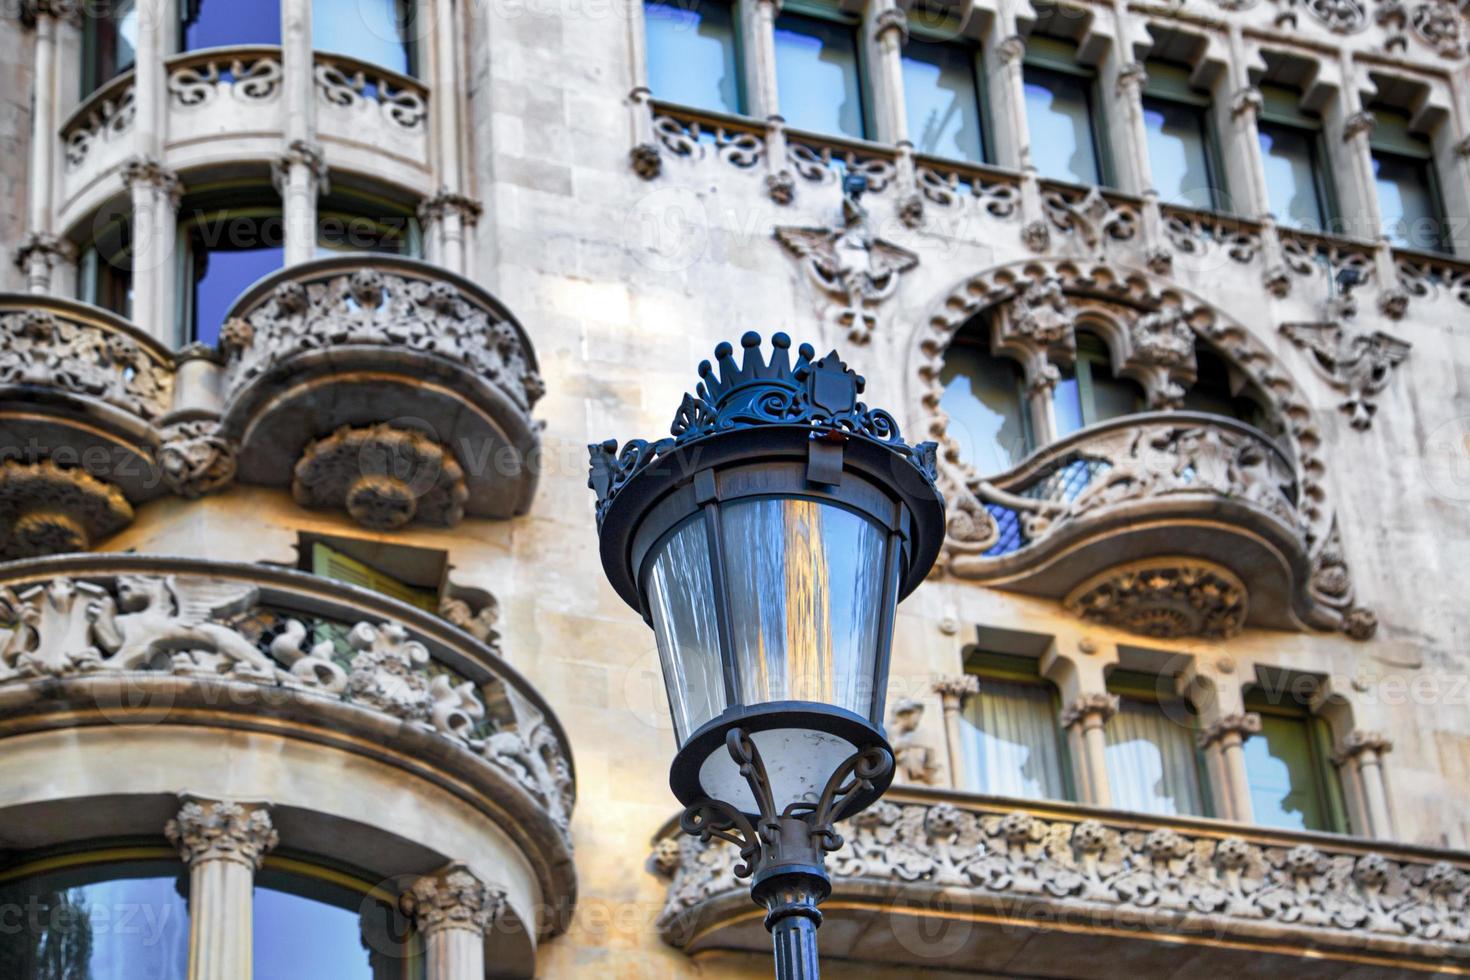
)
(330, 563)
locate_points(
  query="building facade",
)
(307, 664)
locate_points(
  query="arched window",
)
(1219, 390)
(313, 923)
(984, 397)
(96, 915)
(1088, 392)
(109, 41)
(1009, 731)
(228, 238)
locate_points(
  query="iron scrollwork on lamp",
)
(768, 541)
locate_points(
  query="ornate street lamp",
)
(767, 542)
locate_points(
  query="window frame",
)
(1012, 668)
(214, 206)
(1318, 738)
(1280, 106)
(737, 32)
(821, 10)
(91, 52)
(1162, 83)
(978, 338)
(1396, 139)
(1059, 56)
(1142, 686)
(942, 35)
(1081, 368)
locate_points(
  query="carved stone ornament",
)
(1042, 313)
(892, 19)
(646, 161)
(150, 172)
(222, 830)
(196, 459)
(69, 11)
(41, 348)
(1183, 882)
(914, 758)
(48, 510)
(1241, 726)
(1164, 598)
(1441, 25)
(1358, 743)
(478, 622)
(954, 690)
(452, 898)
(384, 477)
(1162, 338)
(1090, 217)
(191, 625)
(855, 268)
(1099, 705)
(1357, 364)
(1339, 16)
(40, 248)
(379, 308)
(302, 153)
(447, 202)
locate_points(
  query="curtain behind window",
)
(1010, 741)
(1151, 761)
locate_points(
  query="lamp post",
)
(767, 541)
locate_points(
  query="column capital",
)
(222, 830)
(469, 210)
(151, 172)
(32, 11)
(40, 246)
(1358, 743)
(1100, 705)
(1242, 725)
(1132, 76)
(1248, 99)
(452, 898)
(892, 19)
(1359, 123)
(954, 690)
(301, 153)
(1011, 48)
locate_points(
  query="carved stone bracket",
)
(1357, 364)
(46, 509)
(383, 476)
(196, 459)
(302, 153)
(452, 898)
(1164, 598)
(222, 830)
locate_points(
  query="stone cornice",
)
(222, 830)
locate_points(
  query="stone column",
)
(1089, 714)
(224, 843)
(156, 192)
(1356, 183)
(758, 31)
(952, 692)
(452, 909)
(1223, 743)
(42, 250)
(301, 172)
(447, 219)
(889, 28)
(1012, 136)
(644, 157)
(1364, 752)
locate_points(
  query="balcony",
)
(938, 880)
(1164, 523)
(127, 652)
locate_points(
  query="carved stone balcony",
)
(937, 880)
(1167, 523)
(129, 645)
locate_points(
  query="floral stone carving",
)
(1193, 883)
(452, 897)
(196, 459)
(48, 510)
(384, 477)
(850, 264)
(1164, 598)
(1357, 364)
(389, 674)
(211, 830)
(39, 348)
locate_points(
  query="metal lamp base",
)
(784, 852)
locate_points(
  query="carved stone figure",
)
(388, 673)
(171, 617)
(196, 459)
(1357, 364)
(914, 758)
(850, 264)
(46, 509)
(1162, 338)
(1042, 312)
(1164, 598)
(383, 476)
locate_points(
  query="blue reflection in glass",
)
(1059, 114)
(1066, 403)
(1293, 175)
(1407, 201)
(309, 929)
(1178, 153)
(216, 23)
(380, 32)
(126, 921)
(227, 255)
(817, 75)
(941, 95)
(691, 53)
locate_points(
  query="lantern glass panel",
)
(681, 601)
(806, 596)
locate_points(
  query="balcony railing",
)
(939, 880)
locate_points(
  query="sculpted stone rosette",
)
(452, 898)
(220, 830)
(383, 476)
(46, 509)
(196, 459)
(1164, 598)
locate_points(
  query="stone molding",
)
(1192, 881)
(452, 898)
(384, 477)
(222, 830)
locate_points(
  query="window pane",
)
(942, 99)
(805, 580)
(1293, 175)
(307, 929)
(1066, 403)
(1406, 198)
(103, 922)
(111, 40)
(681, 603)
(216, 23)
(380, 32)
(817, 75)
(1151, 761)
(1281, 772)
(1178, 153)
(1108, 397)
(1010, 741)
(982, 397)
(691, 53)
(1059, 112)
(226, 254)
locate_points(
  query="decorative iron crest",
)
(819, 394)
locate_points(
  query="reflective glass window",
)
(941, 91)
(693, 53)
(221, 23)
(817, 76)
